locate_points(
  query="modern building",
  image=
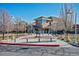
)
(52, 24)
(77, 28)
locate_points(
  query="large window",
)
(43, 22)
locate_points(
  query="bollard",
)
(50, 39)
(27, 40)
(39, 39)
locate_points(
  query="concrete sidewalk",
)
(38, 51)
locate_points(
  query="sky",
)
(30, 11)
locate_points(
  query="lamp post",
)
(75, 39)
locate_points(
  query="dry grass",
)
(69, 37)
(10, 36)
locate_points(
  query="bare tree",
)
(67, 14)
(5, 22)
(20, 26)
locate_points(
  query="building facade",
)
(52, 24)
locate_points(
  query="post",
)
(75, 39)
(39, 36)
(50, 39)
(3, 35)
(65, 21)
(27, 40)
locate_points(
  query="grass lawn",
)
(69, 38)
(10, 36)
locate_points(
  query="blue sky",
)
(29, 11)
